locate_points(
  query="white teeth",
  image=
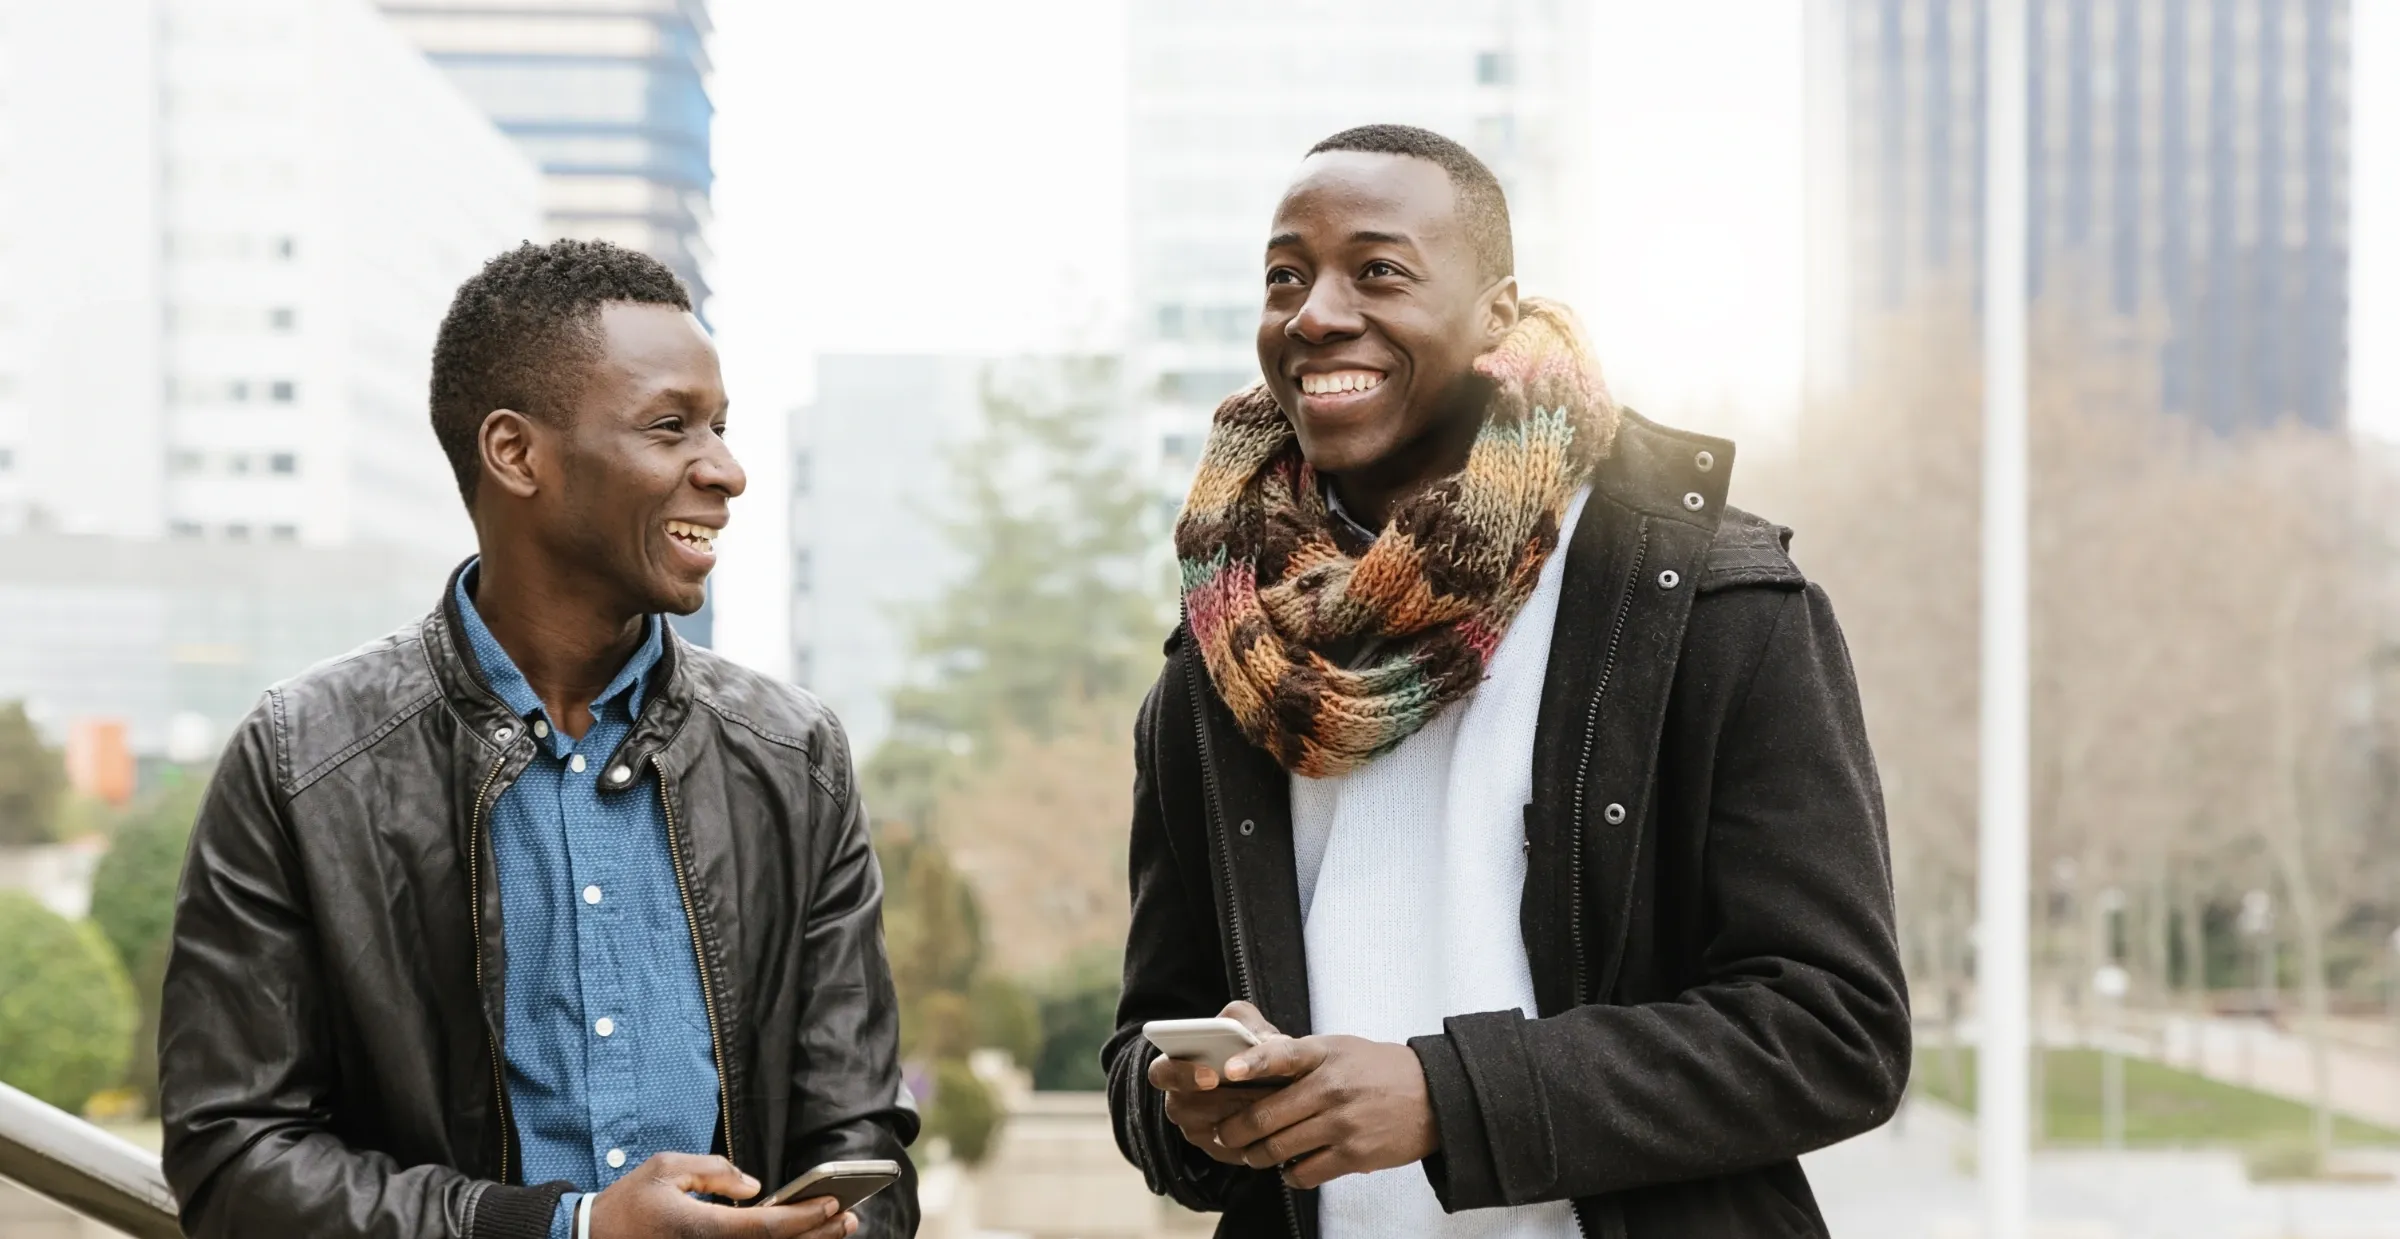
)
(701, 534)
(1340, 381)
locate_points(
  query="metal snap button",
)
(1693, 501)
(1615, 814)
(618, 775)
(1668, 579)
(1249, 827)
(505, 734)
(1705, 461)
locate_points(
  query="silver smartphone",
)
(849, 1183)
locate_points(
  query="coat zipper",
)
(1233, 905)
(1583, 770)
(475, 919)
(708, 989)
(1583, 763)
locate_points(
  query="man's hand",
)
(651, 1202)
(1195, 1102)
(1353, 1106)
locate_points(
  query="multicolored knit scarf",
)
(1267, 592)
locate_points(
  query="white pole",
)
(2002, 1104)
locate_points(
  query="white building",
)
(228, 232)
(1228, 96)
(873, 481)
(232, 227)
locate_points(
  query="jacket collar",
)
(665, 705)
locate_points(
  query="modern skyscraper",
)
(2190, 170)
(231, 233)
(1228, 96)
(609, 97)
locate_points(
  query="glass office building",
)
(2190, 169)
(609, 97)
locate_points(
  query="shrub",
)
(1079, 1011)
(67, 1012)
(133, 903)
(963, 1111)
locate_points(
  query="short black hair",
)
(1481, 204)
(521, 331)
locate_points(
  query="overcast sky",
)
(949, 176)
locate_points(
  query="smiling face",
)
(632, 490)
(1376, 309)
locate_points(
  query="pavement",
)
(1914, 1179)
(2254, 1054)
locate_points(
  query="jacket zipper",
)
(1233, 905)
(708, 989)
(475, 919)
(1583, 763)
(1583, 770)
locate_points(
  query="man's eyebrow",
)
(1281, 239)
(1382, 238)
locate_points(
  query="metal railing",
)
(84, 1168)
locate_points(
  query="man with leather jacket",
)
(530, 919)
(1505, 782)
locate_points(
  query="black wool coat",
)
(1708, 906)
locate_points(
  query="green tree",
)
(66, 1010)
(133, 903)
(32, 778)
(1055, 607)
(1079, 1011)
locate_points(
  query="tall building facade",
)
(1227, 97)
(2189, 169)
(228, 232)
(609, 97)
(233, 228)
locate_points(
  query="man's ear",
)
(509, 442)
(1500, 309)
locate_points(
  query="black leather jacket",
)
(1707, 906)
(329, 1045)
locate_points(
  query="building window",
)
(1495, 69)
(237, 464)
(803, 571)
(1170, 322)
(184, 529)
(800, 477)
(804, 665)
(238, 391)
(8, 459)
(284, 533)
(185, 460)
(284, 463)
(283, 318)
(287, 247)
(282, 391)
(237, 532)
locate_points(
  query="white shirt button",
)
(604, 1026)
(591, 894)
(616, 1159)
(541, 729)
(575, 763)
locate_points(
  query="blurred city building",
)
(610, 99)
(1226, 99)
(2190, 173)
(233, 231)
(872, 481)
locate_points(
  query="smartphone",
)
(1207, 1042)
(849, 1183)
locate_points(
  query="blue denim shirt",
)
(608, 1047)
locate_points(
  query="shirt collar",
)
(1333, 504)
(509, 684)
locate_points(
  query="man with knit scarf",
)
(1511, 786)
